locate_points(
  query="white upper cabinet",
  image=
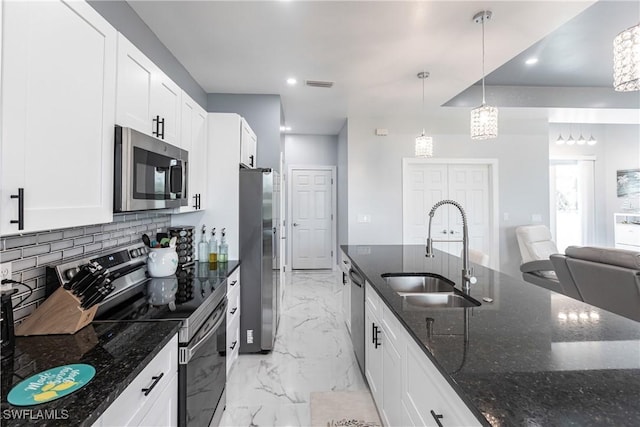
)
(193, 138)
(147, 99)
(58, 111)
(248, 145)
(166, 97)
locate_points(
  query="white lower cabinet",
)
(427, 395)
(233, 318)
(382, 361)
(152, 397)
(407, 388)
(345, 266)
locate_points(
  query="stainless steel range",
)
(194, 296)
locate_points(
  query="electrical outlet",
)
(5, 273)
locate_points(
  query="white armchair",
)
(536, 247)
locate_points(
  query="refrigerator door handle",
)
(273, 244)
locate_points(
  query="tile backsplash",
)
(29, 254)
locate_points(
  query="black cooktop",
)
(175, 297)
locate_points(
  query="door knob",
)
(444, 231)
(295, 224)
(450, 231)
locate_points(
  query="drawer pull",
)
(233, 283)
(234, 310)
(437, 417)
(233, 345)
(156, 380)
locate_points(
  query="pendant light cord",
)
(483, 19)
(423, 114)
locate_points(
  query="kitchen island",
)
(528, 357)
(117, 351)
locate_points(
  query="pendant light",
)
(570, 140)
(560, 140)
(592, 140)
(626, 60)
(581, 140)
(424, 143)
(484, 119)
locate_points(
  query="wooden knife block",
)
(58, 314)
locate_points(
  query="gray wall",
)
(375, 171)
(126, 20)
(343, 190)
(618, 148)
(311, 150)
(30, 253)
(263, 113)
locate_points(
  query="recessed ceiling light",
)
(531, 61)
(285, 128)
(291, 81)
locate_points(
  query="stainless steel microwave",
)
(149, 173)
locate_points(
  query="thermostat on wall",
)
(382, 132)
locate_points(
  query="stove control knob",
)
(70, 273)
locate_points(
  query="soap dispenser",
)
(223, 251)
(203, 247)
(213, 247)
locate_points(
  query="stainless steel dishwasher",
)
(357, 315)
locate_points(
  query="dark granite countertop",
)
(221, 270)
(533, 357)
(118, 352)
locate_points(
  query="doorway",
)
(572, 201)
(472, 183)
(312, 212)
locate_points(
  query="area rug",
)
(343, 408)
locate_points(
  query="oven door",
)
(202, 372)
(150, 174)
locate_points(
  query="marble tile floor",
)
(312, 352)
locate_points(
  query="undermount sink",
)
(413, 283)
(440, 300)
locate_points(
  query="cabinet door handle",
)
(437, 417)
(162, 123)
(156, 132)
(233, 283)
(233, 345)
(156, 379)
(251, 160)
(373, 333)
(376, 342)
(20, 220)
(233, 311)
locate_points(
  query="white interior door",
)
(311, 205)
(425, 184)
(469, 186)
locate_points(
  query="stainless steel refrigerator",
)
(259, 259)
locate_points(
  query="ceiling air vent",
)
(318, 83)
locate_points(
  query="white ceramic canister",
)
(162, 262)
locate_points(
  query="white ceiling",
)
(371, 50)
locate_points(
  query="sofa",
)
(604, 277)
